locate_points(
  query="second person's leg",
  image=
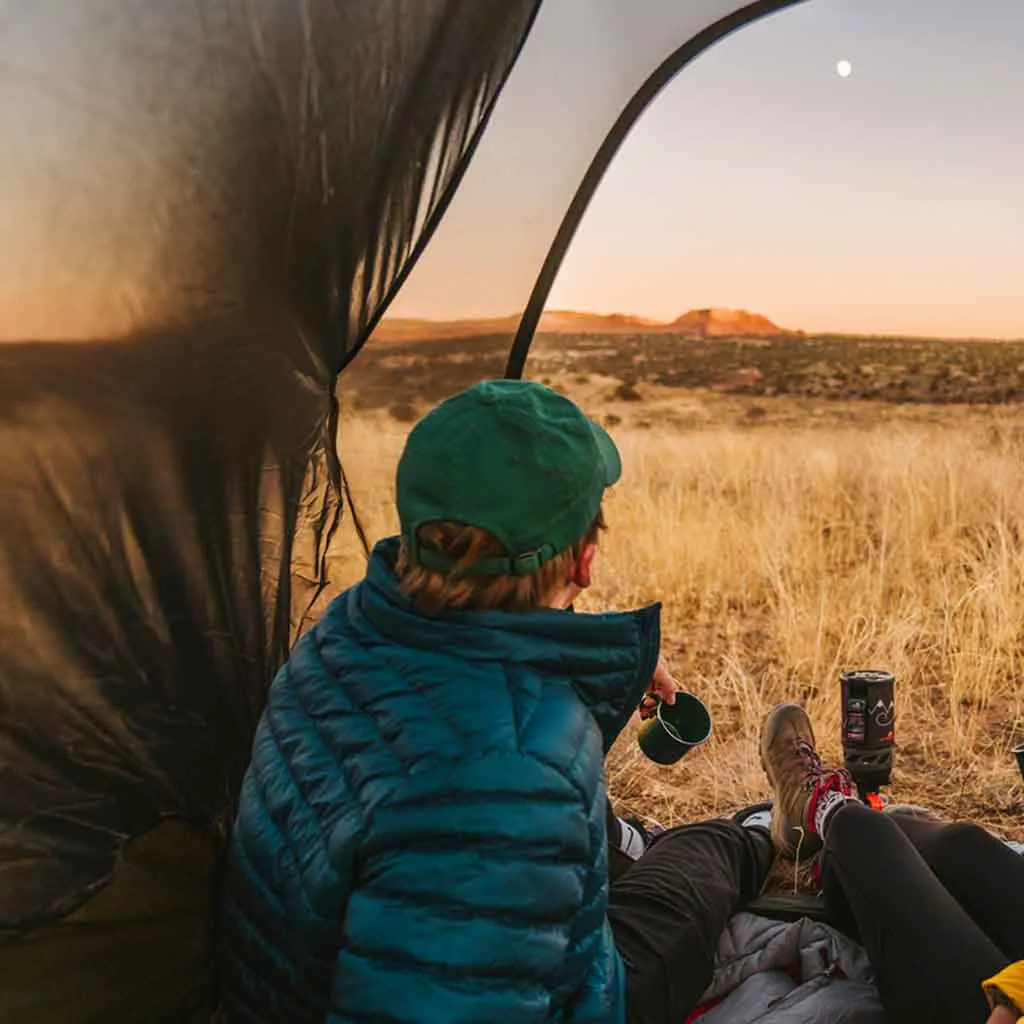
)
(979, 871)
(929, 957)
(670, 908)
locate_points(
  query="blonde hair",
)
(433, 592)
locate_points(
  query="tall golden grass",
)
(784, 554)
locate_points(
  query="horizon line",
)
(879, 335)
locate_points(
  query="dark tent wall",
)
(205, 206)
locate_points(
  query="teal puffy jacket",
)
(421, 835)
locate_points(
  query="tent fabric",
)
(567, 108)
(690, 48)
(139, 952)
(205, 207)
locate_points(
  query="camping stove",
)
(869, 730)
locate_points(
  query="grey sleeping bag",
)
(800, 972)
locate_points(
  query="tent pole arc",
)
(642, 98)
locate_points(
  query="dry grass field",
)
(789, 537)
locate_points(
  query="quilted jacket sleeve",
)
(480, 898)
(292, 862)
(600, 999)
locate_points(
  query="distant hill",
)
(698, 323)
(718, 323)
(401, 328)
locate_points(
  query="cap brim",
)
(609, 454)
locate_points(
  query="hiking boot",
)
(806, 792)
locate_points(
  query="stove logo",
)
(883, 714)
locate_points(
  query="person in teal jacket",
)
(422, 831)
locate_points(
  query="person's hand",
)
(663, 687)
(1003, 1015)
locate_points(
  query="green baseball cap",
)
(511, 457)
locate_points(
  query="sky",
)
(890, 202)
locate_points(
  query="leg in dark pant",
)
(670, 908)
(928, 955)
(981, 873)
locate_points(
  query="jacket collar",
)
(608, 658)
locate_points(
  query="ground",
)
(800, 506)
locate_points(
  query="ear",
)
(582, 568)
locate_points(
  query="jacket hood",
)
(609, 658)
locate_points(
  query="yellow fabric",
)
(1009, 981)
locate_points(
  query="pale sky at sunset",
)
(891, 201)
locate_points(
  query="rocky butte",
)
(720, 323)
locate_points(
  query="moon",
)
(844, 69)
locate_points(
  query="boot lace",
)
(818, 779)
(810, 764)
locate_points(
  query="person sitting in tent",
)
(421, 833)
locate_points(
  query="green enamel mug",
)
(675, 729)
